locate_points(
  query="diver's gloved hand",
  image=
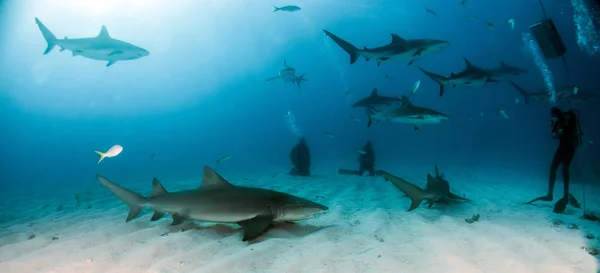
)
(541, 198)
(573, 202)
(561, 205)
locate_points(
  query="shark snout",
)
(143, 53)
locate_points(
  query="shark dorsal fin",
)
(397, 39)
(374, 93)
(211, 179)
(285, 63)
(430, 181)
(157, 188)
(502, 64)
(437, 173)
(468, 63)
(103, 33)
(406, 102)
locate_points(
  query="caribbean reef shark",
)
(102, 47)
(288, 74)
(564, 94)
(505, 71)
(376, 99)
(217, 200)
(471, 76)
(399, 49)
(437, 189)
(406, 113)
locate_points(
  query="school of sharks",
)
(258, 210)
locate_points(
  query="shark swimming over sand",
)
(375, 99)
(288, 74)
(102, 47)
(564, 94)
(406, 113)
(471, 76)
(399, 49)
(505, 71)
(217, 200)
(437, 189)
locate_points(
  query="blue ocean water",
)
(201, 93)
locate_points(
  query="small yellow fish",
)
(328, 134)
(503, 113)
(361, 151)
(415, 88)
(223, 159)
(112, 152)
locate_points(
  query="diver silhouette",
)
(565, 127)
(366, 162)
(300, 157)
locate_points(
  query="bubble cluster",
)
(534, 49)
(290, 118)
(588, 38)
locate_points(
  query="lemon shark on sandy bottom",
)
(255, 209)
(102, 47)
(437, 189)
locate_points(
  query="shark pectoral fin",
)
(272, 78)
(116, 52)
(110, 63)
(157, 215)
(76, 52)
(255, 227)
(177, 219)
(417, 127)
(456, 197)
(62, 49)
(367, 59)
(429, 204)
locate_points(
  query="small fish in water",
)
(471, 18)
(348, 92)
(388, 77)
(328, 134)
(112, 152)
(223, 159)
(511, 23)
(463, 3)
(490, 25)
(503, 113)
(428, 10)
(517, 100)
(352, 118)
(286, 8)
(415, 87)
(361, 151)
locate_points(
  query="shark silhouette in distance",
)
(102, 47)
(376, 99)
(255, 209)
(288, 74)
(406, 113)
(471, 76)
(399, 49)
(564, 94)
(505, 71)
(437, 189)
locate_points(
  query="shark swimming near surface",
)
(471, 76)
(375, 99)
(399, 49)
(288, 74)
(255, 209)
(564, 94)
(437, 189)
(102, 47)
(406, 113)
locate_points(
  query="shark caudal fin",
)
(441, 80)
(348, 47)
(102, 156)
(132, 199)
(370, 113)
(275, 9)
(523, 92)
(50, 38)
(416, 194)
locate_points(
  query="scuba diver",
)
(366, 162)
(565, 127)
(300, 157)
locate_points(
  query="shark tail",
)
(370, 112)
(441, 80)
(523, 92)
(133, 200)
(48, 35)
(102, 156)
(348, 47)
(275, 9)
(416, 194)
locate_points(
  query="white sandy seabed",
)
(367, 229)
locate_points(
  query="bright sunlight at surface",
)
(299, 136)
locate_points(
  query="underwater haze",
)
(202, 95)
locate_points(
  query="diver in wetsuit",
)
(366, 162)
(565, 127)
(300, 157)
